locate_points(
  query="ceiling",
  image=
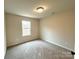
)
(26, 7)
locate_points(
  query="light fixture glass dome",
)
(39, 9)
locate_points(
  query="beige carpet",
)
(38, 50)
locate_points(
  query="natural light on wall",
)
(26, 28)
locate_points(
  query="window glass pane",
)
(26, 32)
(26, 24)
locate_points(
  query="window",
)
(26, 28)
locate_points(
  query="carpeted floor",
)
(38, 50)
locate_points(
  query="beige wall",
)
(59, 29)
(14, 29)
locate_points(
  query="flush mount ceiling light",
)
(39, 9)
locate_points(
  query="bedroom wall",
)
(59, 29)
(14, 29)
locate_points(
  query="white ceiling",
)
(26, 7)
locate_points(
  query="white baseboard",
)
(60, 45)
